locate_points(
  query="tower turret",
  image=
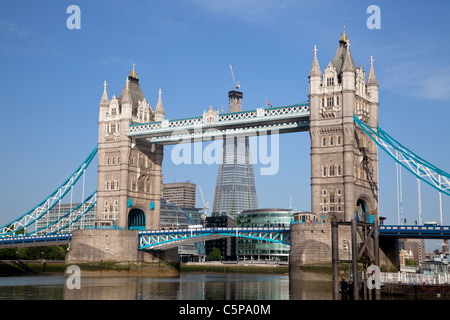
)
(372, 92)
(372, 83)
(315, 75)
(159, 111)
(104, 104)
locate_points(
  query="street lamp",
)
(347, 247)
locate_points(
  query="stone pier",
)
(112, 252)
(311, 249)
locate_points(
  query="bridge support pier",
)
(311, 251)
(115, 252)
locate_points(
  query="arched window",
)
(332, 171)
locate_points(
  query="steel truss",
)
(69, 218)
(46, 205)
(422, 169)
(166, 239)
(275, 120)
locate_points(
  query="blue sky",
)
(52, 82)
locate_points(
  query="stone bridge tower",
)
(129, 172)
(344, 171)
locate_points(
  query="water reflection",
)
(204, 286)
(187, 287)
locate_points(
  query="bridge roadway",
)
(166, 239)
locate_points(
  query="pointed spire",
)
(371, 78)
(315, 68)
(105, 99)
(349, 64)
(126, 98)
(159, 110)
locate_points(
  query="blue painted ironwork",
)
(35, 240)
(281, 119)
(69, 218)
(414, 231)
(166, 239)
(46, 205)
(156, 240)
(422, 169)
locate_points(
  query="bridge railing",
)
(413, 278)
(221, 119)
(422, 169)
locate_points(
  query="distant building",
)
(416, 247)
(180, 193)
(183, 194)
(248, 249)
(227, 246)
(235, 186)
(405, 255)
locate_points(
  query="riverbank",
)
(39, 267)
(30, 267)
(233, 267)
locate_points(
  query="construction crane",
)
(236, 83)
(205, 206)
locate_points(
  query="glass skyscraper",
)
(235, 186)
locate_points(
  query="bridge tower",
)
(129, 172)
(344, 175)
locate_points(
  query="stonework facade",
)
(129, 172)
(344, 176)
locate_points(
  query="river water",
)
(189, 286)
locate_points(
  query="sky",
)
(52, 82)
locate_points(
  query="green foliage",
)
(410, 263)
(35, 253)
(214, 255)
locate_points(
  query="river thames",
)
(189, 286)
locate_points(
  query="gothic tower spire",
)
(349, 64)
(159, 110)
(105, 100)
(315, 68)
(371, 78)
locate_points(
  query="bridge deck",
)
(165, 239)
(424, 232)
(35, 241)
(213, 125)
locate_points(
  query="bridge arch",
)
(136, 219)
(363, 209)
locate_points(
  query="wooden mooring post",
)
(364, 250)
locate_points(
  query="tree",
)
(410, 263)
(214, 255)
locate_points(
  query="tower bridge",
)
(341, 116)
